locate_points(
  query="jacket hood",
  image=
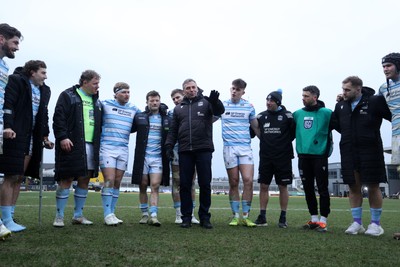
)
(75, 87)
(18, 70)
(320, 104)
(367, 91)
(162, 109)
(186, 100)
(200, 91)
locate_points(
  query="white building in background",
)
(338, 188)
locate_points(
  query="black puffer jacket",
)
(141, 125)
(361, 144)
(192, 124)
(68, 123)
(18, 116)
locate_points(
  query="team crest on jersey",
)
(364, 109)
(308, 122)
(201, 103)
(280, 117)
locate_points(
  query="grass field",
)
(131, 244)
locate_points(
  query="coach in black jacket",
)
(192, 128)
(25, 133)
(358, 118)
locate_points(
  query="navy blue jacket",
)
(361, 146)
(19, 117)
(68, 123)
(192, 124)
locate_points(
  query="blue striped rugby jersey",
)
(236, 122)
(117, 123)
(3, 82)
(153, 148)
(393, 101)
(35, 102)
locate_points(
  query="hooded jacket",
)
(313, 135)
(141, 125)
(68, 123)
(19, 117)
(361, 144)
(192, 123)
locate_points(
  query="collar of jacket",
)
(187, 101)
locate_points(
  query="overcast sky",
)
(155, 45)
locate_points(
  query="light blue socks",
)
(106, 198)
(357, 214)
(61, 201)
(115, 196)
(8, 220)
(80, 196)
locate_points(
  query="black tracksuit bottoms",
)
(315, 169)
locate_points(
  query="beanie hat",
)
(393, 58)
(276, 96)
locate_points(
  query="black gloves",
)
(213, 98)
(216, 104)
(169, 152)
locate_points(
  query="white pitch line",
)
(227, 208)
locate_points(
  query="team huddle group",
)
(92, 134)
